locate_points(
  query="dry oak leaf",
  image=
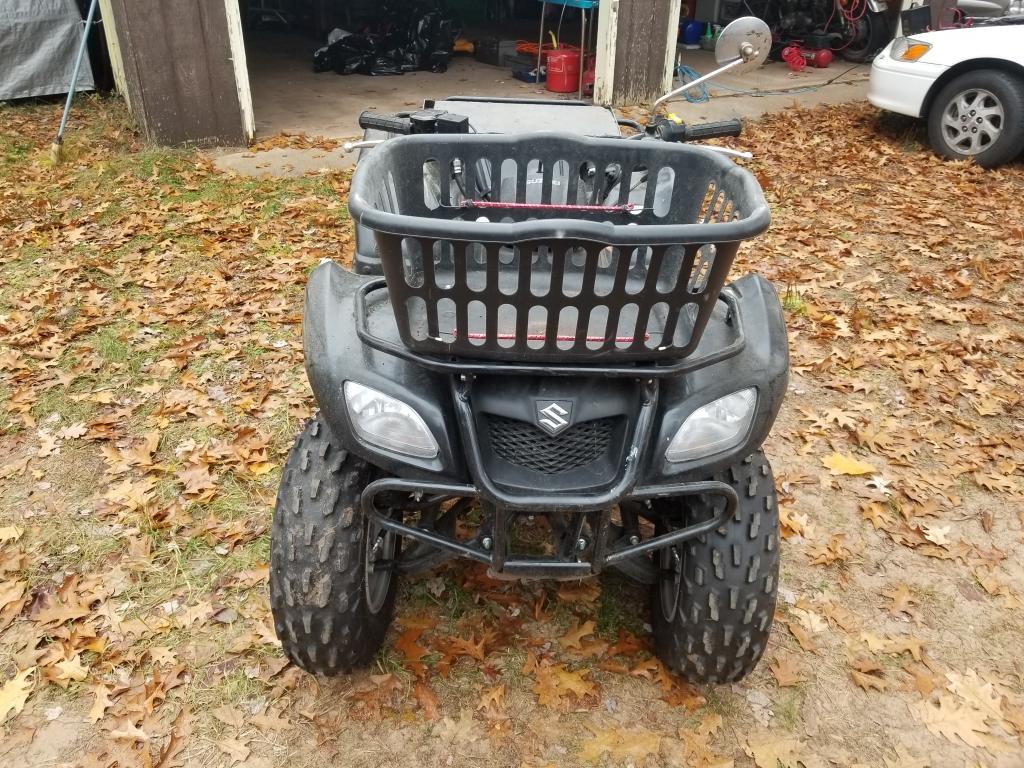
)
(786, 671)
(621, 744)
(101, 703)
(979, 694)
(474, 649)
(903, 601)
(234, 749)
(773, 753)
(580, 592)
(802, 637)
(868, 681)
(572, 638)
(954, 721)
(492, 698)
(406, 643)
(15, 693)
(427, 699)
(838, 464)
(555, 684)
(10, 533)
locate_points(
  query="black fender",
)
(763, 364)
(335, 354)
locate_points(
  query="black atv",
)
(552, 345)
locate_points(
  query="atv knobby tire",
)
(318, 553)
(714, 605)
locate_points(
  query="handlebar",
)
(667, 130)
(389, 123)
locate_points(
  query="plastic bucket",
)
(563, 71)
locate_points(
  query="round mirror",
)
(748, 39)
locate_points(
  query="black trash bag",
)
(349, 55)
(409, 35)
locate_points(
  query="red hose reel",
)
(798, 57)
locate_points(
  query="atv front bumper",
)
(459, 409)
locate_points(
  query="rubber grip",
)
(391, 124)
(732, 127)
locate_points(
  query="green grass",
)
(793, 301)
(620, 606)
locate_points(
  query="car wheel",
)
(979, 115)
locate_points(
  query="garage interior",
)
(290, 97)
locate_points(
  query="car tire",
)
(713, 606)
(993, 138)
(331, 611)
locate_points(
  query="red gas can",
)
(563, 71)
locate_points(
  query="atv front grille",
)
(525, 445)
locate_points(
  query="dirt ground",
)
(151, 383)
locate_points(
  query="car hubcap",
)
(380, 555)
(972, 121)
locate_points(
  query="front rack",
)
(597, 365)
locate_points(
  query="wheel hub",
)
(972, 121)
(671, 563)
(380, 554)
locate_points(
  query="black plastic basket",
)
(543, 248)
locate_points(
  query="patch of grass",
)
(793, 301)
(58, 400)
(722, 701)
(617, 606)
(787, 707)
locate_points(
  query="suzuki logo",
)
(553, 415)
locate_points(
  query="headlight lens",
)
(388, 423)
(908, 49)
(714, 427)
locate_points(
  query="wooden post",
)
(179, 68)
(643, 51)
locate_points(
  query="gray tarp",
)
(38, 43)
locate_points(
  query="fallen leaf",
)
(234, 749)
(100, 704)
(838, 464)
(787, 671)
(428, 701)
(632, 744)
(572, 638)
(15, 693)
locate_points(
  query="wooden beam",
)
(604, 66)
(644, 50)
(179, 72)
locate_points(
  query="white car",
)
(967, 83)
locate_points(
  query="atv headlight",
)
(908, 49)
(714, 427)
(388, 423)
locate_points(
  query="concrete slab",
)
(288, 97)
(771, 88)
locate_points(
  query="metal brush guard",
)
(545, 249)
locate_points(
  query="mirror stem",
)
(698, 81)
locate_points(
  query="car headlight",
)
(388, 423)
(908, 49)
(720, 424)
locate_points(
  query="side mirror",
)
(743, 45)
(747, 39)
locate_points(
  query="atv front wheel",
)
(714, 603)
(331, 606)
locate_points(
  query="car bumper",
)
(901, 87)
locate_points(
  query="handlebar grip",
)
(388, 123)
(732, 127)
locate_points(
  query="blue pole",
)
(74, 74)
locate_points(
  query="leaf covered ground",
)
(151, 383)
